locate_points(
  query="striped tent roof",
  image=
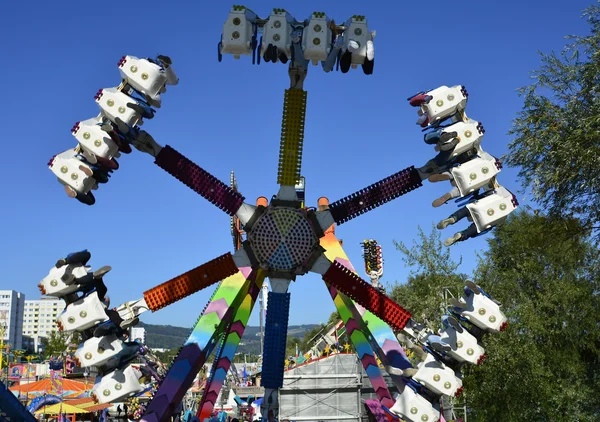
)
(60, 408)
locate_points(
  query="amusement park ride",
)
(279, 239)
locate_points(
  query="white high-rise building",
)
(11, 317)
(40, 316)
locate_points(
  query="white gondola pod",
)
(445, 102)
(470, 135)
(237, 33)
(465, 347)
(317, 38)
(474, 174)
(97, 351)
(113, 104)
(144, 76)
(117, 385)
(94, 140)
(277, 32)
(55, 283)
(414, 408)
(483, 312)
(82, 314)
(490, 211)
(437, 377)
(358, 32)
(68, 169)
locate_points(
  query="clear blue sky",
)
(227, 115)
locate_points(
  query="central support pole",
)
(275, 344)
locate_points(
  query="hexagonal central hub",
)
(282, 239)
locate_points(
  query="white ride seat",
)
(491, 210)
(117, 385)
(145, 77)
(82, 314)
(73, 172)
(469, 133)
(474, 174)
(317, 38)
(113, 105)
(482, 312)
(278, 33)
(437, 377)
(465, 347)
(237, 33)
(60, 281)
(414, 408)
(357, 32)
(97, 351)
(94, 140)
(440, 104)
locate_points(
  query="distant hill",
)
(170, 337)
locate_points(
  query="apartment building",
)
(12, 305)
(39, 318)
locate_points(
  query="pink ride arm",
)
(199, 180)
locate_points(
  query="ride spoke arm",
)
(366, 295)
(359, 339)
(190, 282)
(199, 180)
(292, 139)
(371, 197)
(210, 326)
(227, 350)
(346, 281)
(381, 337)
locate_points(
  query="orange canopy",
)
(83, 402)
(45, 386)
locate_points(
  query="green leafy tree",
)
(290, 348)
(243, 357)
(546, 365)
(334, 318)
(556, 143)
(433, 271)
(56, 344)
(167, 356)
(307, 339)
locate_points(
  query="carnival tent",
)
(45, 386)
(60, 408)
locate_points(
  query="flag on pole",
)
(245, 373)
(297, 351)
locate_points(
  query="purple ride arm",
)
(375, 195)
(199, 180)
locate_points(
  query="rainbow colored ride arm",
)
(202, 340)
(375, 195)
(226, 353)
(199, 180)
(380, 335)
(359, 339)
